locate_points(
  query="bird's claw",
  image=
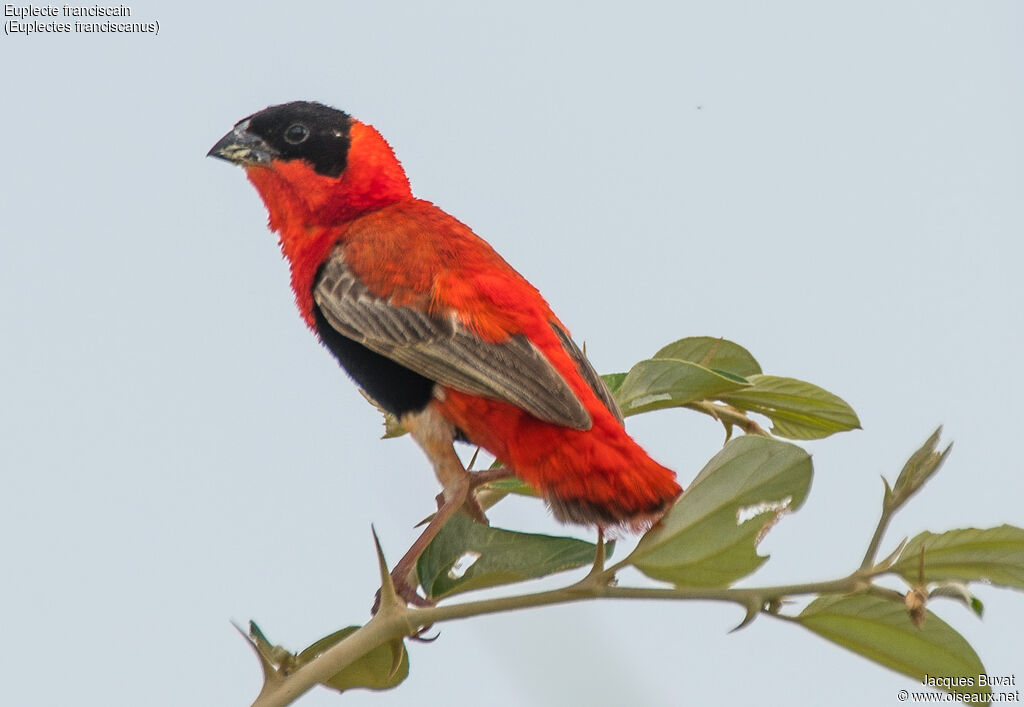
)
(471, 507)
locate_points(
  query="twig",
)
(403, 621)
(888, 511)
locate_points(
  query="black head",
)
(302, 130)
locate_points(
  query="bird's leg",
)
(436, 436)
(479, 478)
(404, 574)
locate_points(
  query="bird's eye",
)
(296, 133)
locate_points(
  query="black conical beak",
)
(243, 148)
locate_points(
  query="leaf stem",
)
(888, 510)
(728, 415)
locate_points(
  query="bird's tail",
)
(598, 476)
(621, 486)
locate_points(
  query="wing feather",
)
(444, 351)
(587, 371)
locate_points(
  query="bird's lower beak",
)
(243, 148)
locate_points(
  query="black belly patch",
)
(396, 388)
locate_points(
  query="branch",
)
(403, 621)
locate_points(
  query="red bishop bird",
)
(435, 326)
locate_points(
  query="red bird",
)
(434, 325)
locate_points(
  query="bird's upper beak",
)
(243, 148)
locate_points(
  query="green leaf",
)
(613, 381)
(492, 493)
(382, 668)
(993, 555)
(709, 538)
(880, 630)
(655, 384)
(392, 426)
(717, 354)
(798, 410)
(466, 555)
(960, 592)
(512, 485)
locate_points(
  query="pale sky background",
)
(839, 189)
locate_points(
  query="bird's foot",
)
(475, 479)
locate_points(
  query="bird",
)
(437, 328)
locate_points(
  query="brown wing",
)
(587, 372)
(442, 350)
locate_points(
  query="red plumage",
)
(408, 255)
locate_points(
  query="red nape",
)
(310, 211)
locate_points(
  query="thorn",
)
(270, 671)
(728, 429)
(753, 609)
(599, 555)
(242, 631)
(425, 639)
(472, 460)
(891, 559)
(388, 595)
(244, 634)
(595, 576)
